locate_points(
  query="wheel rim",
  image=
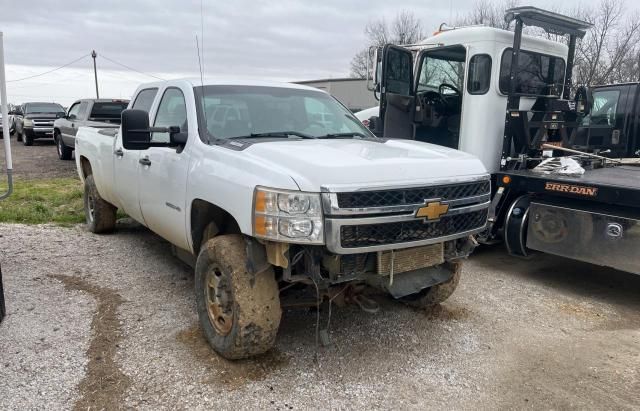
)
(91, 207)
(219, 301)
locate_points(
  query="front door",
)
(397, 96)
(163, 173)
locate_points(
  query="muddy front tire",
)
(239, 311)
(100, 215)
(438, 293)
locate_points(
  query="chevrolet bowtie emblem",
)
(432, 211)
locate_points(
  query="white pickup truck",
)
(256, 194)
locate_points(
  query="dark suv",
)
(37, 121)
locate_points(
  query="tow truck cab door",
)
(397, 93)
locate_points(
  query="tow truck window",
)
(172, 111)
(442, 67)
(538, 74)
(479, 74)
(603, 111)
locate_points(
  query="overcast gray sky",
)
(278, 39)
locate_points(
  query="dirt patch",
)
(39, 161)
(447, 312)
(233, 374)
(104, 385)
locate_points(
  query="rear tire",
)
(239, 311)
(437, 294)
(64, 152)
(100, 215)
(18, 137)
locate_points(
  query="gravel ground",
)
(109, 321)
(38, 161)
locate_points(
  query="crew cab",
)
(103, 113)
(270, 198)
(36, 121)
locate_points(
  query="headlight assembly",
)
(287, 216)
(27, 122)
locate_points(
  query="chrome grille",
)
(368, 235)
(43, 122)
(409, 196)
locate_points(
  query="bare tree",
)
(609, 51)
(404, 29)
(486, 13)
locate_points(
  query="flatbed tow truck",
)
(467, 79)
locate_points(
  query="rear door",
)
(397, 92)
(126, 163)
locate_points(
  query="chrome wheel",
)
(219, 301)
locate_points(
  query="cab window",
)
(73, 111)
(603, 111)
(537, 75)
(479, 74)
(444, 66)
(144, 99)
(172, 111)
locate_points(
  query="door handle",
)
(145, 161)
(73, 125)
(119, 152)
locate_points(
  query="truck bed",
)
(618, 185)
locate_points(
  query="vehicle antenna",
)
(201, 58)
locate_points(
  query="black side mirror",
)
(136, 133)
(61, 115)
(135, 129)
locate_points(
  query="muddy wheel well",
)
(86, 167)
(203, 214)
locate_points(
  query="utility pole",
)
(95, 71)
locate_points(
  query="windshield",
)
(42, 108)
(236, 111)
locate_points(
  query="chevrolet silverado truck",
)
(36, 121)
(269, 199)
(102, 113)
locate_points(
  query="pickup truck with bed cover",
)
(102, 113)
(269, 199)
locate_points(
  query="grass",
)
(57, 200)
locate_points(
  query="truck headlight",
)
(287, 216)
(27, 122)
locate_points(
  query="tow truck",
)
(506, 98)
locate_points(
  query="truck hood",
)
(42, 115)
(342, 165)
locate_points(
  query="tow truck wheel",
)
(515, 227)
(438, 293)
(64, 152)
(100, 215)
(239, 311)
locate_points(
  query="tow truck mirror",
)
(136, 134)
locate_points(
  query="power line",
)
(50, 71)
(131, 68)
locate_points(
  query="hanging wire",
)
(130, 68)
(49, 71)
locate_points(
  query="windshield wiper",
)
(281, 134)
(341, 135)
